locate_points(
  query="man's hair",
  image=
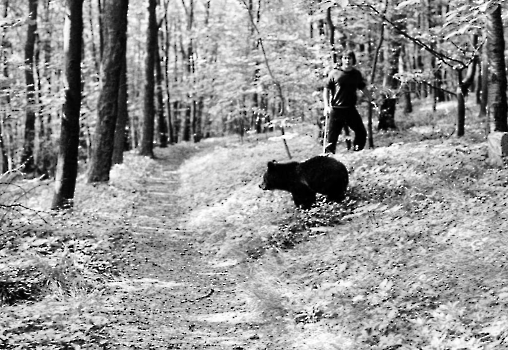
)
(350, 54)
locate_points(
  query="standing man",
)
(340, 98)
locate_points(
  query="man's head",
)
(348, 59)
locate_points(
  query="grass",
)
(54, 266)
(414, 258)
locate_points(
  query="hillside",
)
(413, 258)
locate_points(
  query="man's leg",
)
(356, 124)
(335, 125)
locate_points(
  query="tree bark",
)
(67, 166)
(27, 157)
(115, 37)
(462, 91)
(161, 120)
(331, 38)
(392, 54)
(166, 76)
(4, 160)
(122, 118)
(497, 75)
(146, 144)
(484, 94)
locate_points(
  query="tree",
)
(392, 53)
(188, 57)
(497, 71)
(146, 145)
(467, 61)
(161, 120)
(115, 38)
(28, 148)
(67, 166)
(4, 95)
(122, 118)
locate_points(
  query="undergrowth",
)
(414, 258)
(54, 265)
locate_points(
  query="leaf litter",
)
(413, 258)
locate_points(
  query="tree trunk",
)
(115, 37)
(146, 144)
(331, 38)
(47, 158)
(166, 78)
(27, 157)
(392, 54)
(67, 166)
(161, 120)
(186, 136)
(406, 88)
(122, 118)
(370, 132)
(95, 56)
(484, 93)
(462, 91)
(497, 75)
(4, 100)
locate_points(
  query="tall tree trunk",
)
(146, 144)
(122, 118)
(462, 91)
(101, 8)
(67, 166)
(29, 140)
(161, 120)
(406, 89)
(4, 98)
(47, 162)
(373, 78)
(392, 54)
(188, 54)
(331, 38)
(484, 93)
(497, 75)
(166, 78)
(95, 56)
(115, 38)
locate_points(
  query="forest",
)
(134, 135)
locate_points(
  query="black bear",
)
(321, 174)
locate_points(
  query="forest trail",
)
(172, 296)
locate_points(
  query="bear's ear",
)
(271, 164)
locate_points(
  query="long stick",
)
(325, 134)
(282, 127)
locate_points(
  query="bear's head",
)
(268, 176)
(278, 176)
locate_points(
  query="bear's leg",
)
(304, 199)
(337, 194)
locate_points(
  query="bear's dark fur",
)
(320, 174)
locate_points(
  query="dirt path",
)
(174, 297)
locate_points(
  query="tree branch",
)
(442, 57)
(260, 42)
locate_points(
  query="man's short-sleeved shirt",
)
(343, 85)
